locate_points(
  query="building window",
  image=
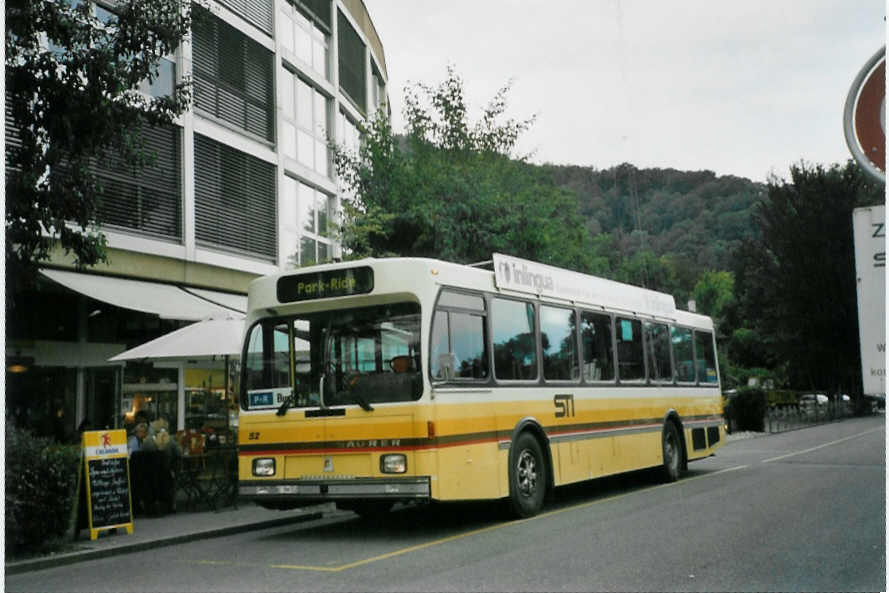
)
(233, 76)
(377, 90)
(147, 200)
(234, 200)
(347, 134)
(165, 82)
(315, 215)
(306, 35)
(256, 12)
(304, 123)
(351, 63)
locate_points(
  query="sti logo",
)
(106, 440)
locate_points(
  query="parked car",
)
(812, 399)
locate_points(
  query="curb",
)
(74, 557)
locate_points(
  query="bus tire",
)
(671, 446)
(527, 477)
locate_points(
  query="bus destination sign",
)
(324, 285)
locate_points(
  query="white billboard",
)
(531, 277)
(870, 269)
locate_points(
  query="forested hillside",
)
(661, 227)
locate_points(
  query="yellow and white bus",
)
(390, 380)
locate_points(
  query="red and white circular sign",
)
(865, 116)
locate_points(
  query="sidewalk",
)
(173, 528)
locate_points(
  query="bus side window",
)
(559, 344)
(705, 357)
(684, 353)
(598, 353)
(658, 351)
(458, 348)
(515, 343)
(630, 356)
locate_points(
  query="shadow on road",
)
(441, 520)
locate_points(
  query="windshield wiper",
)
(287, 403)
(361, 402)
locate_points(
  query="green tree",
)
(72, 95)
(646, 269)
(451, 189)
(713, 291)
(796, 282)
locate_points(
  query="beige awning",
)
(169, 301)
(210, 337)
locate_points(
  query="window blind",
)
(233, 76)
(147, 200)
(255, 12)
(351, 66)
(234, 200)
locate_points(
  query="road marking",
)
(459, 536)
(809, 450)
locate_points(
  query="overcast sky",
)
(740, 88)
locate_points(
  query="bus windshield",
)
(330, 358)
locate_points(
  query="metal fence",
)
(784, 417)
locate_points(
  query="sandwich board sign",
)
(106, 466)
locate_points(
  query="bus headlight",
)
(393, 463)
(264, 466)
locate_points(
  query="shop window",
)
(209, 401)
(43, 399)
(152, 392)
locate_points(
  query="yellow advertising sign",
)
(106, 466)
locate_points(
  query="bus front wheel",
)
(671, 445)
(527, 477)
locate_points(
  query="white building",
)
(244, 185)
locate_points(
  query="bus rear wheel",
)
(527, 477)
(671, 445)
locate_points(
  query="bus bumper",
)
(395, 489)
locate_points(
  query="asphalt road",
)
(800, 511)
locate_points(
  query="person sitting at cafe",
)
(139, 440)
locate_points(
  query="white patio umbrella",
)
(218, 335)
